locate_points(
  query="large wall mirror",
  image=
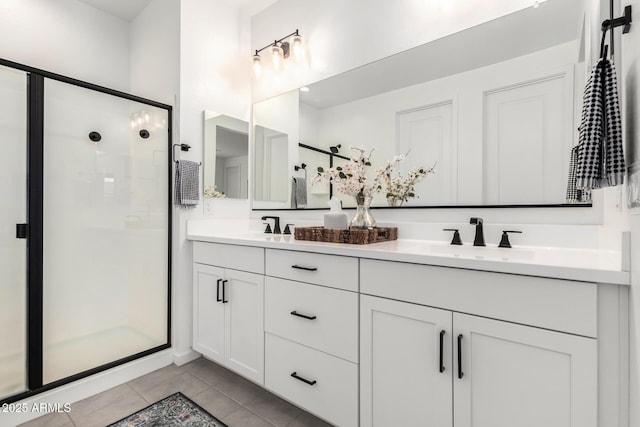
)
(496, 107)
(226, 154)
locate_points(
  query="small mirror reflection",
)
(226, 146)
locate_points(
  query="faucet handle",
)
(268, 229)
(475, 220)
(456, 236)
(504, 241)
(287, 230)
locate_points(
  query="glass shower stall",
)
(85, 229)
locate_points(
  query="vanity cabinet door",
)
(228, 320)
(208, 312)
(244, 320)
(515, 375)
(404, 380)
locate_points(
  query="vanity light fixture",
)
(304, 89)
(288, 46)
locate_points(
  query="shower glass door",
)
(13, 194)
(105, 245)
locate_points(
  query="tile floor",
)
(227, 396)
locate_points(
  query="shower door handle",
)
(22, 230)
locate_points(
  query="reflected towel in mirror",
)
(298, 193)
(187, 190)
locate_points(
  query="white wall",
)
(66, 37)
(214, 76)
(155, 51)
(346, 34)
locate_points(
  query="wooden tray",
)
(353, 236)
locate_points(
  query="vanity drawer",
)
(329, 270)
(333, 396)
(236, 257)
(334, 324)
(561, 305)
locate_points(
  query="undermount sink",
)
(483, 252)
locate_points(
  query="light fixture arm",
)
(276, 42)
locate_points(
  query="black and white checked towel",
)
(575, 194)
(600, 154)
(187, 190)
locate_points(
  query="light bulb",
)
(296, 48)
(146, 117)
(257, 66)
(277, 56)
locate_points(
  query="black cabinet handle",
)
(304, 380)
(218, 290)
(224, 298)
(295, 313)
(442, 351)
(300, 267)
(460, 373)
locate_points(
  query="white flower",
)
(210, 191)
(402, 188)
(351, 179)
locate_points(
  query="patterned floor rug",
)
(176, 410)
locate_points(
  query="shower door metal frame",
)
(35, 218)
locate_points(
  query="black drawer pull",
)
(295, 313)
(442, 351)
(304, 380)
(218, 290)
(460, 373)
(300, 267)
(224, 298)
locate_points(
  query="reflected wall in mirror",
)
(226, 153)
(496, 106)
(275, 122)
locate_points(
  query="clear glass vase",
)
(362, 218)
(394, 201)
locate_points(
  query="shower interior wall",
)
(105, 221)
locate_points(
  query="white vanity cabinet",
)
(311, 332)
(228, 304)
(361, 341)
(483, 372)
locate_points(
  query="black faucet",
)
(276, 223)
(479, 239)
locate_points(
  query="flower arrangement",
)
(401, 189)
(351, 179)
(210, 191)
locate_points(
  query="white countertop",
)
(588, 265)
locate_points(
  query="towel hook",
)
(610, 24)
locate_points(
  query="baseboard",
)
(185, 357)
(86, 387)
